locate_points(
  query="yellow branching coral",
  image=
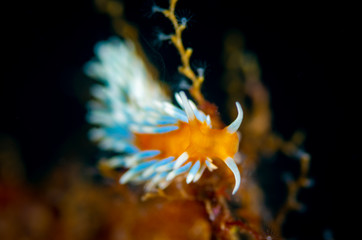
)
(179, 26)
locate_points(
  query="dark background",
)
(306, 54)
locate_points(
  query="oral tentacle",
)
(234, 168)
(234, 126)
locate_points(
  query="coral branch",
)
(294, 187)
(185, 54)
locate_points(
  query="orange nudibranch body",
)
(154, 139)
(196, 138)
(195, 143)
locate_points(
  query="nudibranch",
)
(151, 137)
